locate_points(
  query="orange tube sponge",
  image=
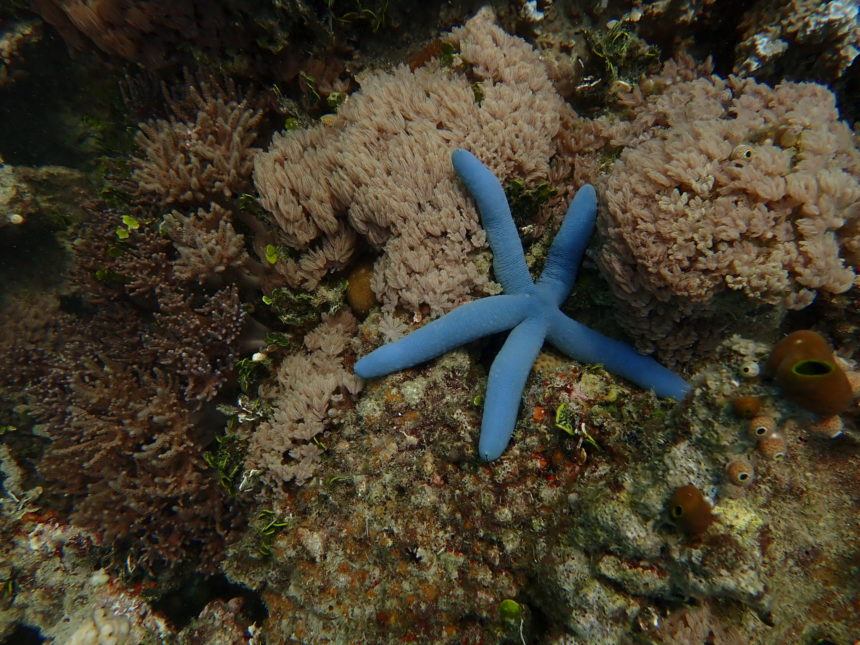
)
(690, 510)
(359, 293)
(761, 426)
(746, 406)
(800, 344)
(805, 369)
(772, 447)
(740, 472)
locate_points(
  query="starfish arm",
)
(464, 324)
(505, 384)
(569, 244)
(508, 259)
(588, 346)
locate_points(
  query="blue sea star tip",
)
(529, 310)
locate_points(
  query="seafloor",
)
(209, 211)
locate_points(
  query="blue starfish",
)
(530, 310)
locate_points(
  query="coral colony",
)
(530, 310)
(149, 461)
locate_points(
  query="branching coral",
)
(125, 448)
(201, 156)
(203, 151)
(190, 333)
(728, 188)
(118, 377)
(207, 244)
(195, 339)
(381, 170)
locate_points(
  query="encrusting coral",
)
(729, 194)
(380, 170)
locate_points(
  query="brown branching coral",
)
(382, 169)
(28, 322)
(196, 342)
(207, 244)
(201, 156)
(107, 270)
(124, 447)
(119, 375)
(730, 194)
(203, 151)
(190, 333)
